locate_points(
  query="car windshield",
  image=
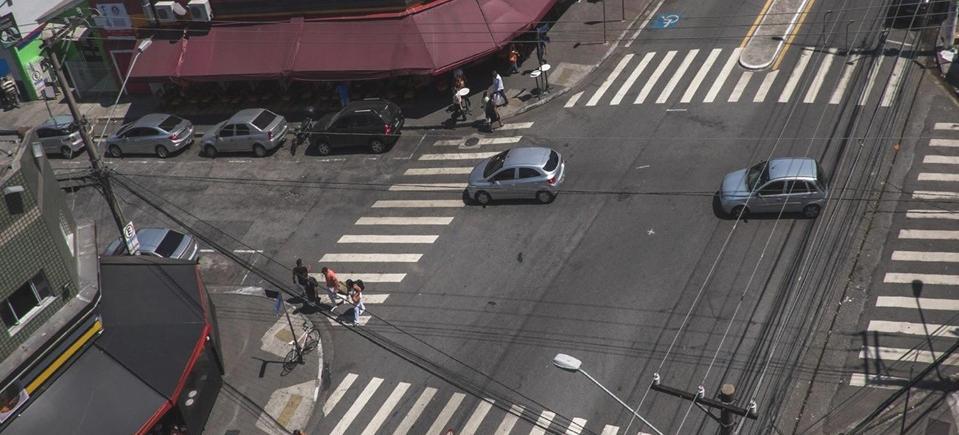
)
(757, 175)
(170, 123)
(169, 244)
(495, 163)
(264, 119)
(552, 162)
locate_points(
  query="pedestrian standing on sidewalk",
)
(343, 90)
(541, 40)
(330, 285)
(492, 113)
(300, 273)
(513, 59)
(497, 90)
(459, 80)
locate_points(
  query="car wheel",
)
(115, 151)
(377, 146)
(811, 211)
(162, 151)
(210, 151)
(739, 210)
(66, 152)
(259, 150)
(545, 197)
(323, 148)
(483, 198)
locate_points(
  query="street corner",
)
(289, 408)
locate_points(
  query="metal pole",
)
(825, 19)
(846, 44)
(726, 419)
(296, 343)
(621, 402)
(624, 10)
(88, 145)
(604, 23)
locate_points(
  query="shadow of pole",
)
(917, 293)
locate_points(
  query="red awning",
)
(431, 41)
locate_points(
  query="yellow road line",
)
(57, 363)
(793, 32)
(759, 18)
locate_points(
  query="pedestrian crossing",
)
(400, 226)
(374, 405)
(916, 313)
(714, 76)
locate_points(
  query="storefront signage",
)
(113, 16)
(9, 32)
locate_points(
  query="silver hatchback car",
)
(60, 134)
(157, 133)
(788, 184)
(529, 172)
(257, 130)
(159, 242)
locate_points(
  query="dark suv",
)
(373, 124)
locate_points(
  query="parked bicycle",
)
(306, 341)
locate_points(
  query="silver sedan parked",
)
(528, 172)
(159, 242)
(257, 130)
(156, 133)
(789, 185)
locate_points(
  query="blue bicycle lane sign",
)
(664, 21)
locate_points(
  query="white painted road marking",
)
(764, 87)
(932, 214)
(657, 73)
(926, 256)
(920, 304)
(844, 80)
(481, 141)
(457, 156)
(386, 409)
(677, 76)
(444, 220)
(941, 160)
(476, 418)
(426, 187)
(338, 393)
(721, 79)
(576, 426)
(509, 420)
(944, 142)
(876, 381)
(908, 328)
(643, 63)
(545, 419)
(516, 125)
(892, 88)
(610, 430)
(378, 238)
(929, 234)
(425, 203)
(361, 322)
(370, 258)
(873, 72)
(926, 278)
(891, 354)
(613, 75)
(947, 126)
(740, 87)
(932, 194)
(572, 100)
(439, 425)
(931, 176)
(698, 78)
(438, 171)
(366, 277)
(415, 411)
(357, 406)
(787, 93)
(820, 77)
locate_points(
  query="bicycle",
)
(306, 342)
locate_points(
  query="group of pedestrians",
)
(352, 290)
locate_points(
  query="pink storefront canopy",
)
(430, 41)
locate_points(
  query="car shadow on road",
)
(500, 202)
(721, 214)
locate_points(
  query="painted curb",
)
(782, 38)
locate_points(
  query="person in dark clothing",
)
(492, 113)
(300, 273)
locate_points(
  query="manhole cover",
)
(472, 142)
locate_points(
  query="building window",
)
(25, 301)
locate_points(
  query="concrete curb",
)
(609, 52)
(769, 58)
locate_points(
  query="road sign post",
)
(130, 238)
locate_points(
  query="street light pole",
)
(141, 47)
(571, 364)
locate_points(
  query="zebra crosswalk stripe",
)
(909, 328)
(698, 78)
(925, 278)
(477, 417)
(944, 142)
(895, 78)
(677, 76)
(414, 412)
(576, 426)
(651, 82)
(932, 214)
(643, 63)
(610, 430)
(723, 73)
(871, 80)
(740, 87)
(573, 99)
(764, 87)
(446, 414)
(932, 176)
(796, 75)
(609, 80)
(921, 304)
(926, 256)
(545, 418)
(357, 406)
(887, 354)
(820, 77)
(876, 381)
(384, 412)
(338, 393)
(509, 420)
(840, 90)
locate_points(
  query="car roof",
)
(792, 168)
(246, 115)
(151, 120)
(527, 156)
(150, 238)
(58, 121)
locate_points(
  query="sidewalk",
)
(257, 392)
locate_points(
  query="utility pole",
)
(98, 170)
(727, 410)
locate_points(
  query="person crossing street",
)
(330, 285)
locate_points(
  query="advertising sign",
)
(9, 33)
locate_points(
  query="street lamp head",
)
(144, 44)
(567, 362)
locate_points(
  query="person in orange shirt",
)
(513, 59)
(330, 285)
